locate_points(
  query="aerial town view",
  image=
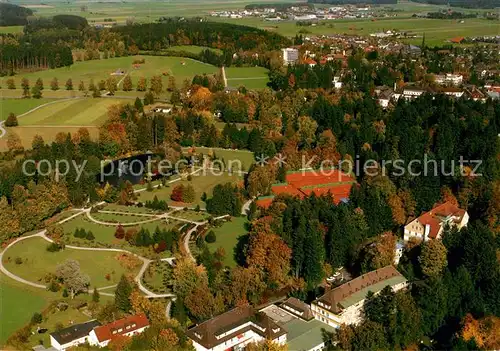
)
(259, 175)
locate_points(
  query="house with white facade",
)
(431, 224)
(235, 329)
(344, 304)
(128, 326)
(451, 79)
(72, 336)
(290, 55)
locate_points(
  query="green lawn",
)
(37, 262)
(201, 183)
(76, 112)
(158, 276)
(19, 106)
(191, 215)
(119, 218)
(11, 29)
(227, 237)
(105, 234)
(97, 70)
(244, 156)
(17, 305)
(250, 77)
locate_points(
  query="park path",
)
(224, 76)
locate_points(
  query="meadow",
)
(97, 70)
(74, 112)
(228, 236)
(437, 32)
(37, 262)
(19, 106)
(250, 77)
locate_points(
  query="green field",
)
(201, 183)
(37, 262)
(437, 32)
(19, 106)
(11, 29)
(227, 237)
(193, 48)
(17, 305)
(244, 156)
(75, 112)
(181, 68)
(250, 77)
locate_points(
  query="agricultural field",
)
(436, 31)
(193, 49)
(228, 236)
(181, 68)
(74, 112)
(97, 12)
(250, 77)
(11, 29)
(37, 262)
(201, 183)
(19, 106)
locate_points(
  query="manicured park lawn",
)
(120, 218)
(19, 106)
(37, 262)
(244, 156)
(227, 237)
(17, 305)
(191, 215)
(201, 183)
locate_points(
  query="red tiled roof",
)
(127, 325)
(433, 218)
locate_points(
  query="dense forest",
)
(13, 15)
(195, 32)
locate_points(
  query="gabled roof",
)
(355, 290)
(439, 214)
(209, 333)
(303, 309)
(74, 332)
(121, 326)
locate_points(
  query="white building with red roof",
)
(128, 326)
(430, 225)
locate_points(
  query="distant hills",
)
(13, 15)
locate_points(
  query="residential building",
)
(290, 55)
(453, 79)
(455, 92)
(412, 93)
(235, 329)
(72, 336)
(344, 304)
(128, 326)
(430, 225)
